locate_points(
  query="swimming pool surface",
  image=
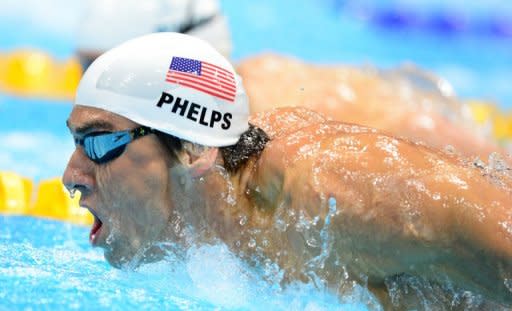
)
(49, 265)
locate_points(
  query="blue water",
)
(34, 139)
(49, 265)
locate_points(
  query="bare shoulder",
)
(304, 143)
(388, 196)
(282, 121)
(305, 147)
(297, 131)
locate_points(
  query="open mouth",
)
(95, 230)
(96, 227)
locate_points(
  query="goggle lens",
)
(102, 147)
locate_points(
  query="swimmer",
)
(107, 23)
(405, 102)
(165, 156)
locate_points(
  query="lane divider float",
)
(488, 115)
(34, 73)
(50, 200)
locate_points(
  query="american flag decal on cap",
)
(202, 76)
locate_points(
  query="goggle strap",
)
(141, 131)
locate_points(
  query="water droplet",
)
(388, 161)
(332, 205)
(449, 149)
(265, 243)
(312, 242)
(281, 225)
(302, 224)
(252, 243)
(72, 193)
(243, 220)
(496, 162)
(508, 284)
(479, 163)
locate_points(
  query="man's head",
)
(147, 114)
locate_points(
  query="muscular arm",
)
(400, 207)
(424, 215)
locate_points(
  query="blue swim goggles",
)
(102, 147)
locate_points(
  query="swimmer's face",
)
(129, 195)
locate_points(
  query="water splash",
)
(497, 163)
(230, 196)
(48, 272)
(497, 170)
(318, 262)
(412, 292)
(508, 284)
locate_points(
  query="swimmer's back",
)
(393, 196)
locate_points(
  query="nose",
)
(79, 173)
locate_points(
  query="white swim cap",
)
(108, 23)
(175, 83)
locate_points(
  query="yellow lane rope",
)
(49, 199)
(34, 73)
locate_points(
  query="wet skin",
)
(325, 198)
(126, 194)
(401, 207)
(407, 103)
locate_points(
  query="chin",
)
(112, 259)
(133, 259)
(119, 260)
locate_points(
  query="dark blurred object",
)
(445, 19)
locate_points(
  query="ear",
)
(200, 165)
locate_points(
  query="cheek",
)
(135, 193)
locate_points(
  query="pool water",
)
(49, 265)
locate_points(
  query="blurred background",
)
(468, 43)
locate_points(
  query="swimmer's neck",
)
(229, 201)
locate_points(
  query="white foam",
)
(218, 276)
